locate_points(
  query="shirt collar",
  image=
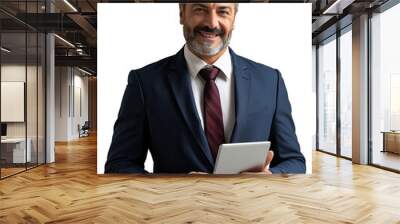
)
(195, 64)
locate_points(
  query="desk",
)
(13, 150)
(391, 141)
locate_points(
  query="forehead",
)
(209, 5)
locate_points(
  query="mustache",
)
(207, 29)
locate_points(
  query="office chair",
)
(84, 130)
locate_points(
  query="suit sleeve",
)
(287, 155)
(130, 139)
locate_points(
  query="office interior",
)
(49, 93)
(48, 81)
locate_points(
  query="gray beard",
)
(204, 48)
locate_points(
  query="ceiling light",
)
(64, 40)
(338, 6)
(5, 50)
(84, 71)
(70, 5)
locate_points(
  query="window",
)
(346, 93)
(327, 96)
(385, 88)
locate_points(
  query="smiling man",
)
(183, 107)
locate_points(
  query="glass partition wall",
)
(334, 75)
(327, 95)
(345, 62)
(22, 77)
(385, 89)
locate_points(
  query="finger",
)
(270, 156)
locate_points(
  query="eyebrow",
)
(206, 6)
(199, 5)
(224, 7)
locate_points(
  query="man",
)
(183, 107)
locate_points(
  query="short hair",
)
(181, 5)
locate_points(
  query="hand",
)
(265, 169)
(195, 172)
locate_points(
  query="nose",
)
(212, 19)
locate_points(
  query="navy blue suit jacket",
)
(158, 113)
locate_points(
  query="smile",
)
(208, 35)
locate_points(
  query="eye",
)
(198, 9)
(224, 12)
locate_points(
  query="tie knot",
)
(209, 73)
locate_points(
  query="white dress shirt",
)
(225, 85)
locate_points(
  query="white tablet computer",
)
(238, 157)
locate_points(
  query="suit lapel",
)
(180, 83)
(242, 93)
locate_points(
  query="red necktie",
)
(213, 123)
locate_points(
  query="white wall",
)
(33, 126)
(82, 83)
(61, 103)
(71, 93)
(17, 73)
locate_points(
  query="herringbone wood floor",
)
(69, 191)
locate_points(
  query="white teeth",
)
(208, 35)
